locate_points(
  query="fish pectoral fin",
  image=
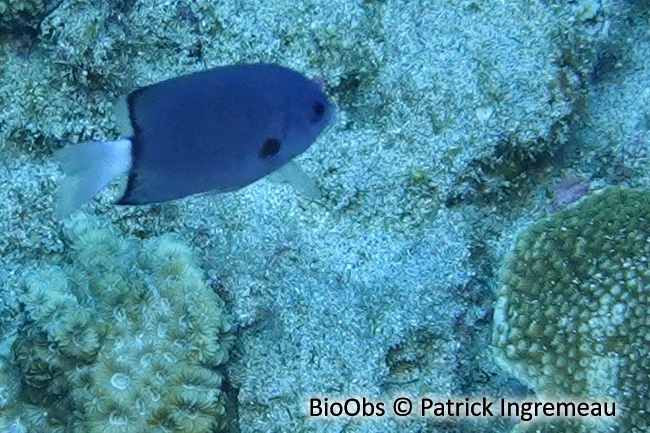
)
(294, 176)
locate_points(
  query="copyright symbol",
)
(402, 406)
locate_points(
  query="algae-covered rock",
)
(24, 14)
(125, 337)
(572, 314)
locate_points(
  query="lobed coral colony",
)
(125, 337)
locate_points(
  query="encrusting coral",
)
(123, 338)
(572, 314)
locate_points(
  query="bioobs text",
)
(349, 407)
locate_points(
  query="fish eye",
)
(319, 109)
(270, 148)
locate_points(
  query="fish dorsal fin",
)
(122, 118)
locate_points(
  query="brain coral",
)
(572, 317)
(123, 336)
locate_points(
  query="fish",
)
(216, 130)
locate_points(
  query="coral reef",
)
(445, 107)
(572, 315)
(126, 338)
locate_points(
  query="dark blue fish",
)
(216, 130)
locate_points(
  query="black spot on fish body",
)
(270, 148)
(319, 110)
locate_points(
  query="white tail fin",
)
(88, 168)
